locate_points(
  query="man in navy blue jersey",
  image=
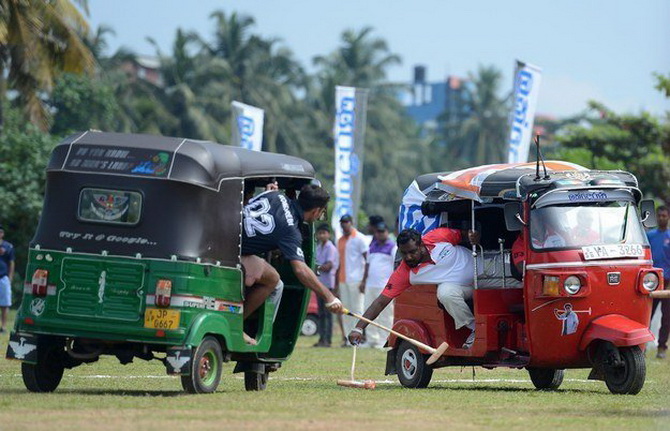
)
(271, 221)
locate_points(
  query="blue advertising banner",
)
(349, 133)
(247, 126)
(527, 80)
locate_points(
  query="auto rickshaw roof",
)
(203, 163)
(427, 180)
(487, 182)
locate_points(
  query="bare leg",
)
(259, 292)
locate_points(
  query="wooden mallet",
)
(366, 384)
(660, 294)
(435, 354)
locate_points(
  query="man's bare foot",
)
(249, 340)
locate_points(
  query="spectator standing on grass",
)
(353, 252)
(327, 260)
(381, 257)
(6, 276)
(659, 239)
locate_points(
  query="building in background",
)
(431, 104)
(145, 68)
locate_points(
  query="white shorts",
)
(5, 292)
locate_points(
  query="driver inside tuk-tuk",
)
(271, 221)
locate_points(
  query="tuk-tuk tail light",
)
(163, 292)
(39, 282)
(650, 281)
(572, 285)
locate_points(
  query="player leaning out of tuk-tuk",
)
(438, 257)
(271, 221)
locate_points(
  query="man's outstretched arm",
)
(377, 306)
(309, 279)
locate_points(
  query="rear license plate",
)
(157, 318)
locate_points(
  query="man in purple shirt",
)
(659, 239)
(327, 260)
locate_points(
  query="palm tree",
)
(259, 72)
(481, 137)
(393, 152)
(38, 40)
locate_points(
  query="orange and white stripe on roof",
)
(467, 183)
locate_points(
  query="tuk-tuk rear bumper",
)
(618, 330)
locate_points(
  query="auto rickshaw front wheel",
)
(45, 375)
(546, 378)
(205, 373)
(254, 381)
(411, 366)
(626, 371)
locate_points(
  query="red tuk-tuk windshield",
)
(572, 226)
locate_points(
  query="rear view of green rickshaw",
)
(137, 255)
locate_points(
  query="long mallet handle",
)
(435, 353)
(353, 364)
(661, 294)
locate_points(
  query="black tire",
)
(46, 374)
(310, 326)
(546, 378)
(255, 381)
(627, 377)
(411, 366)
(205, 373)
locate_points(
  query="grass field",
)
(303, 395)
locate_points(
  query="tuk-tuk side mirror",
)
(648, 213)
(513, 219)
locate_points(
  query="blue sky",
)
(595, 49)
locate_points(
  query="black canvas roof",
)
(426, 180)
(203, 163)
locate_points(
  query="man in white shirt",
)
(435, 258)
(381, 256)
(353, 252)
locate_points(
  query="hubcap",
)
(409, 364)
(206, 368)
(308, 327)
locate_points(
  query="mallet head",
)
(437, 354)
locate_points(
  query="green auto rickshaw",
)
(137, 255)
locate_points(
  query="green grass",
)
(303, 395)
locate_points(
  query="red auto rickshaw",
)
(582, 298)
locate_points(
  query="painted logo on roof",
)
(157, 165)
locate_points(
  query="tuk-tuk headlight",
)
(650, 281)
(572, 285)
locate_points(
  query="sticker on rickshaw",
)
(157, 318)
(611, 251)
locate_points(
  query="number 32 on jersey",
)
(257, 218)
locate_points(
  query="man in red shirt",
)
(435, 258)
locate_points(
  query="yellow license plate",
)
(158, 318)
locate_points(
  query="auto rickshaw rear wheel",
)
(46, 374)
(411, 366)
(254, 381)
(310, 326)
(205, 373)
(626, 373)
(546, 378)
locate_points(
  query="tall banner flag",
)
(349, 133)
(527, 80)
(247, 126)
